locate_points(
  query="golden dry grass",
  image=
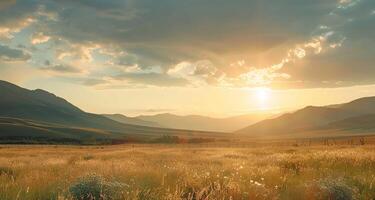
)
(190, 172)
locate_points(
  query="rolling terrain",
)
(175, 172)
(131, 120)
(42, 116)
(355, 117)
(36, 114)
(197, 122)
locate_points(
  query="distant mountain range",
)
(355, 117)
(131, 120)
(36, 113)
(192, 122)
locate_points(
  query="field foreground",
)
(187, 172)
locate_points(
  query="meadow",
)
(178, 171)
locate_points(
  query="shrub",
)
(293, 166)
(331, 189)
(88, 157)
(6, 171)
(95, 187)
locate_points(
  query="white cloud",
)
(326, 39)
(299, 52)
(182, 70)
(344, 4)
(38, 38)
(80, 52)
(8, 31)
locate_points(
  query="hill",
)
(358, 123)
(131, 120)
(301, 120)
(197, 122)
(43, 108)
(14, 130)
(364, 105)
(357, 116)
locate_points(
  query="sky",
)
(207, 57)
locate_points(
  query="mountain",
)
(364, 105)
(130, 120)
(301, 120)
(15, 130)
(358, 123)
(355, 116)
(44, 108)
(197, 122)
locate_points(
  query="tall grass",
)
(176, 172)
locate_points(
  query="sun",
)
(262, 94)
(262, 97)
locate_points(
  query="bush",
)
(6, 171)
(293, 166)
(167, 139)
(88, 157)
(95, 187)
(332, 190)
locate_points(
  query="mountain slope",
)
(300, 120)
(44, 107)
(197, 122)
(357, 123)
(364, 105)
(14, 129)
(130, 120)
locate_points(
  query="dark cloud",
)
(47, 63)
(6, 3)
(61, 68)
(165, 33)
(350, 64)
(10, 54)
(14, 14)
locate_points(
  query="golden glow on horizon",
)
(208, 101)
(262, 96)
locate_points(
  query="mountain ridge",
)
(199, 122)
(131, 120)
(43, 107)
(313, 118)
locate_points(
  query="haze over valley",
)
(40, 116)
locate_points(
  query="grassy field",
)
(187, 172)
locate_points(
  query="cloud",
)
(15, 16)
(94, 82)
(9, 54)
(151, 79)
(76, 51)
(61, 68)
(6, 3)
(193, 43)
(199, 73)
(7, 31)
(169, 32)
(39, 38)
(325, 39)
